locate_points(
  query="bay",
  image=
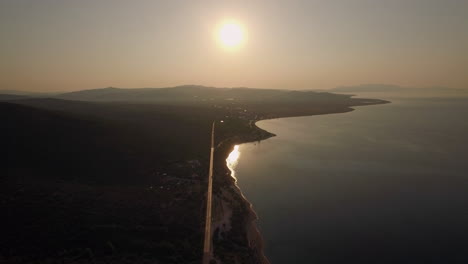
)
(381, 184)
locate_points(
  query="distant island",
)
(118, 175)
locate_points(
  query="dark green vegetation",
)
(122, 180)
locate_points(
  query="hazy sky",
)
(60, 45)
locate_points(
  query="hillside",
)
(189, 93)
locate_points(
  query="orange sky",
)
(52, 45)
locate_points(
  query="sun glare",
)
(231, 35)
(232, 160)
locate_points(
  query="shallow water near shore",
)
(382, 184)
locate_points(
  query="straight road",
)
(207, 244)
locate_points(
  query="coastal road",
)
(207, 244)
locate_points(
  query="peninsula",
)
(119, 175)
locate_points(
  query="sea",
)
(381, 184)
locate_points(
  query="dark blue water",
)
(381, 184)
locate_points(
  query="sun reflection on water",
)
(232, 160)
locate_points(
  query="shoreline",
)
(254, 237)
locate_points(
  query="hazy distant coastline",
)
(199, 93)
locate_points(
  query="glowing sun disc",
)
(231, 34)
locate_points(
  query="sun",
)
(231, 34)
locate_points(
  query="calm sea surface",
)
(381, 184)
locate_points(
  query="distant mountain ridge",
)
(206, 93)
(191, 93)
(28, 93)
